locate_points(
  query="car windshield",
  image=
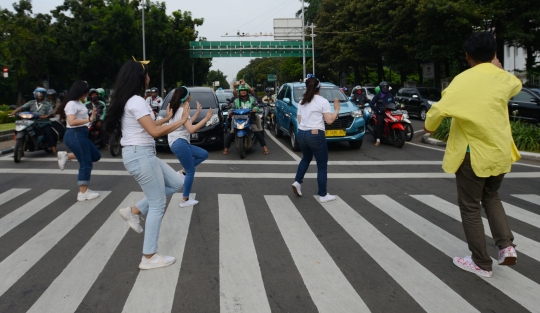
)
(430, 94)
(223, 96)
(329, 93)
(206, 99)
(536, 90)
(371, 90)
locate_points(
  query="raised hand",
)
(337, 105)
(199, 107)
(209, 114)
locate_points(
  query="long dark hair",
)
(131, 81)
(176, 100)
(76, 91)
(312, 87)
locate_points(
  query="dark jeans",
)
(313, 145)
(189, 156)
(473, 190)
(379, 131)
(76, 139)
(48, 135)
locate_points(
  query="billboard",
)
(288, 29)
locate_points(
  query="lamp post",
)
(143, 39)
(303, 41)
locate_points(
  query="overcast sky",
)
(220, 17)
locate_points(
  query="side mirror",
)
(287, 100)
(415, 96)
(228, 99)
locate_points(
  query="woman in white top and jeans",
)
(313, 111)
(76, 138)
(129, 112)
(188, 155)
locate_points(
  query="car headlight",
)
(357, 113)
(213, 120)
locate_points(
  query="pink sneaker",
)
(507, 256)
(468, 265)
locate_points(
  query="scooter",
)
(30, 137)
(244, 138)
(394, 128)
(269, 119)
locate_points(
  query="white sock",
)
(378, 140)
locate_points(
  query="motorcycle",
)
(244, 138)
(394, 128)
(30, 137)
(94, 134)
(269, 118)
(114, 143)
(409, 131)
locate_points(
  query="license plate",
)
(195, 136)
(241, 117)
(335, 133)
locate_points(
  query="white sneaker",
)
(156, 261)
(507, 256)
(88, 195)
(467, 264)
(188, 202)
(297, 188)
(327, 198)
(131, 218)
(62, 160)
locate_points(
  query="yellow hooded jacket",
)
(477, 102)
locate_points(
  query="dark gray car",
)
(418, 100)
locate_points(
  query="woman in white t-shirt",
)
(76, 137)
(179, 140)
(313, 112)
(129, 112)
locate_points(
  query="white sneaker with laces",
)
(88, 195)
(467, 264)
(297, 188)
(156, 261)
(508, 256)
(62, 159)
(327, 198)
(131, 218)
(188, 202)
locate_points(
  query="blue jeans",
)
(189, 156)
(158, 181)
(313, 145)
(76, 139)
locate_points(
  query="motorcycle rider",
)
(379, 109)
(154, 100)
(51, 97)
(359, 96)
(246, 101)
(101, 93)
(45, 110)
(101, 112)
(147, 94)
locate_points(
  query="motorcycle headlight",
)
(240, 126)
(357, 113)
(405, 115)
(213, 120)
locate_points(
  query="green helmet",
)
(101, 92)
(377, 89)
(243, 87)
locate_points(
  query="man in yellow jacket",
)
(480, 149)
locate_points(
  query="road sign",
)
(271, 77)
(429, 71)
(288, 29)
(255, 49)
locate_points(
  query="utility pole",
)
(313, 46)
(162, 79)
(303, 41)
(192, 73)
(143, 39)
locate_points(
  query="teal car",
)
(349, 127)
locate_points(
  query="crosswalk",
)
(243, 283)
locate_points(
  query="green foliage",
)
(90, 40)
(218, 75)
(444, 130)
(4, 107)
(5, 118)
(526, 136)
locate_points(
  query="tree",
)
(214, 76)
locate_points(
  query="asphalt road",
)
(251, 245)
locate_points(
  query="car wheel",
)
(423, 113)
(277, 131)
(294, 143)
(356, 144)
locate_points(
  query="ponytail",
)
(312, 87)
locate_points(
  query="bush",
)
(526, 136)
(4, 108)
(5, 118)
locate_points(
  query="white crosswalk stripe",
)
(19, 262)
(242, 287)
(526, 245)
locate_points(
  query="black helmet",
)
(384, 84)
(154, 89)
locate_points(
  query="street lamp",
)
(143, 39)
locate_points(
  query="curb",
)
(6, 151)
(435, 142)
